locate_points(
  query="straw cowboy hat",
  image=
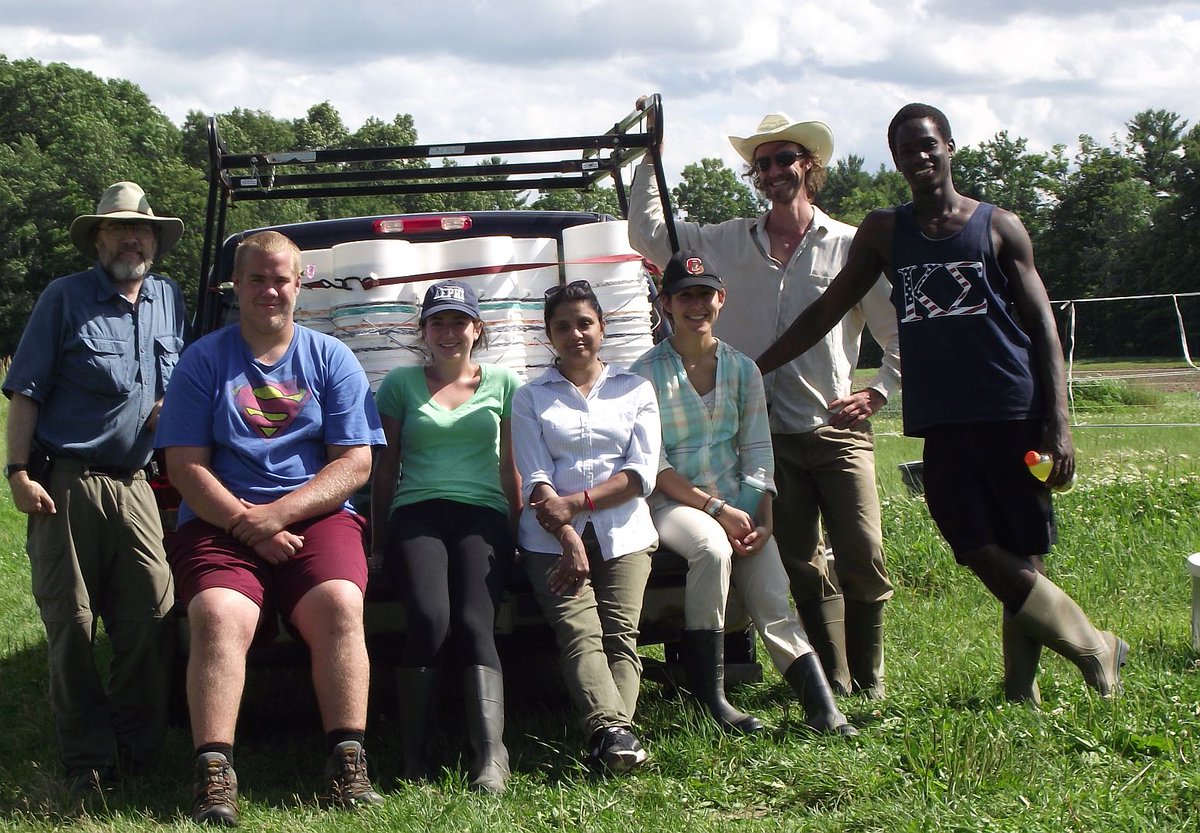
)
(815, 136)
(124, 201)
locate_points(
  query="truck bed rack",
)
(579, 162)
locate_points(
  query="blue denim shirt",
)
(96, 364)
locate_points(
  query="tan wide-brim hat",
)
(124, 201)
(779, 127)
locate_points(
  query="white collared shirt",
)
(572, 442)
(765, 297)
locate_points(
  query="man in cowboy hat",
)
(86, 385)
(776, 265)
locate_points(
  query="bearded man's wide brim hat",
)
(814, 136)
(124, 201)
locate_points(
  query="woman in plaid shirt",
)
(714, 426)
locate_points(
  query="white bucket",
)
(593, 240)
(531, 284)
(1193, 565)
(369, 318)
(505, 334)
(483, 254)
(621, 287)
(360, 260)
(313, 303)
(377, 363)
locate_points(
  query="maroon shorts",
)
(203, 556)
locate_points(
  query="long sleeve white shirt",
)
(764, 297)
(572, 442)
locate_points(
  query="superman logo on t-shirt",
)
(271, 408)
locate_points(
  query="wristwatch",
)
(13, 468)
(715, 506)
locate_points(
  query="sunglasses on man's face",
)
(784, 159)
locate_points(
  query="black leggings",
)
(449, 561)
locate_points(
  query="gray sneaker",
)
(216, 793)
(346, 774)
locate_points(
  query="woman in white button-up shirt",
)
(587, 440)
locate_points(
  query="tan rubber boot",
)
(1054, 619)
(825, 625)
(1021, 656)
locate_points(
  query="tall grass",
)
(943, 752)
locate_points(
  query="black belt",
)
(147, 472)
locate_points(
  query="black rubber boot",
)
(485, 728)
(417, 688)
(704, 662)
(824, 623)
(864, 648)
(807, 679)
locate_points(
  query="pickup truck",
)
(363, 279)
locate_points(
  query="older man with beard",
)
(776, 265)
(86, 385)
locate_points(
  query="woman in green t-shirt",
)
(442, 525)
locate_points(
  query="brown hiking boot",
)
(215, 799)
(346, 774)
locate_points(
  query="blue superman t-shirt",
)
(267, 426)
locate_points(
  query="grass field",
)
(944, 752)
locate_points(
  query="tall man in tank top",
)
(776, 265)
(983, 383)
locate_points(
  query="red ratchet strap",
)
(374, 283)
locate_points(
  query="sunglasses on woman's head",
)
(784, 159)
(555, 291)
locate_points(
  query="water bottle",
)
(1040, 465)
(753, 487)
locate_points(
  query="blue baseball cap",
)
(454, 296)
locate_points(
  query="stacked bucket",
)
(619, 281)
(380, 323)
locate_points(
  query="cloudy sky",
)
(471, 70)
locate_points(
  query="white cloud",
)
(496, 69)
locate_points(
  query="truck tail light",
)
(422, 225)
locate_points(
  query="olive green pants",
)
(100, 557)
(597, 632)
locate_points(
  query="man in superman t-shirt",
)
(268, 429)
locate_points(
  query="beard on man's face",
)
(122, 269)
(127, 260)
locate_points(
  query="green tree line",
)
(1115, 219)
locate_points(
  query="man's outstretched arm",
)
(867, 258)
